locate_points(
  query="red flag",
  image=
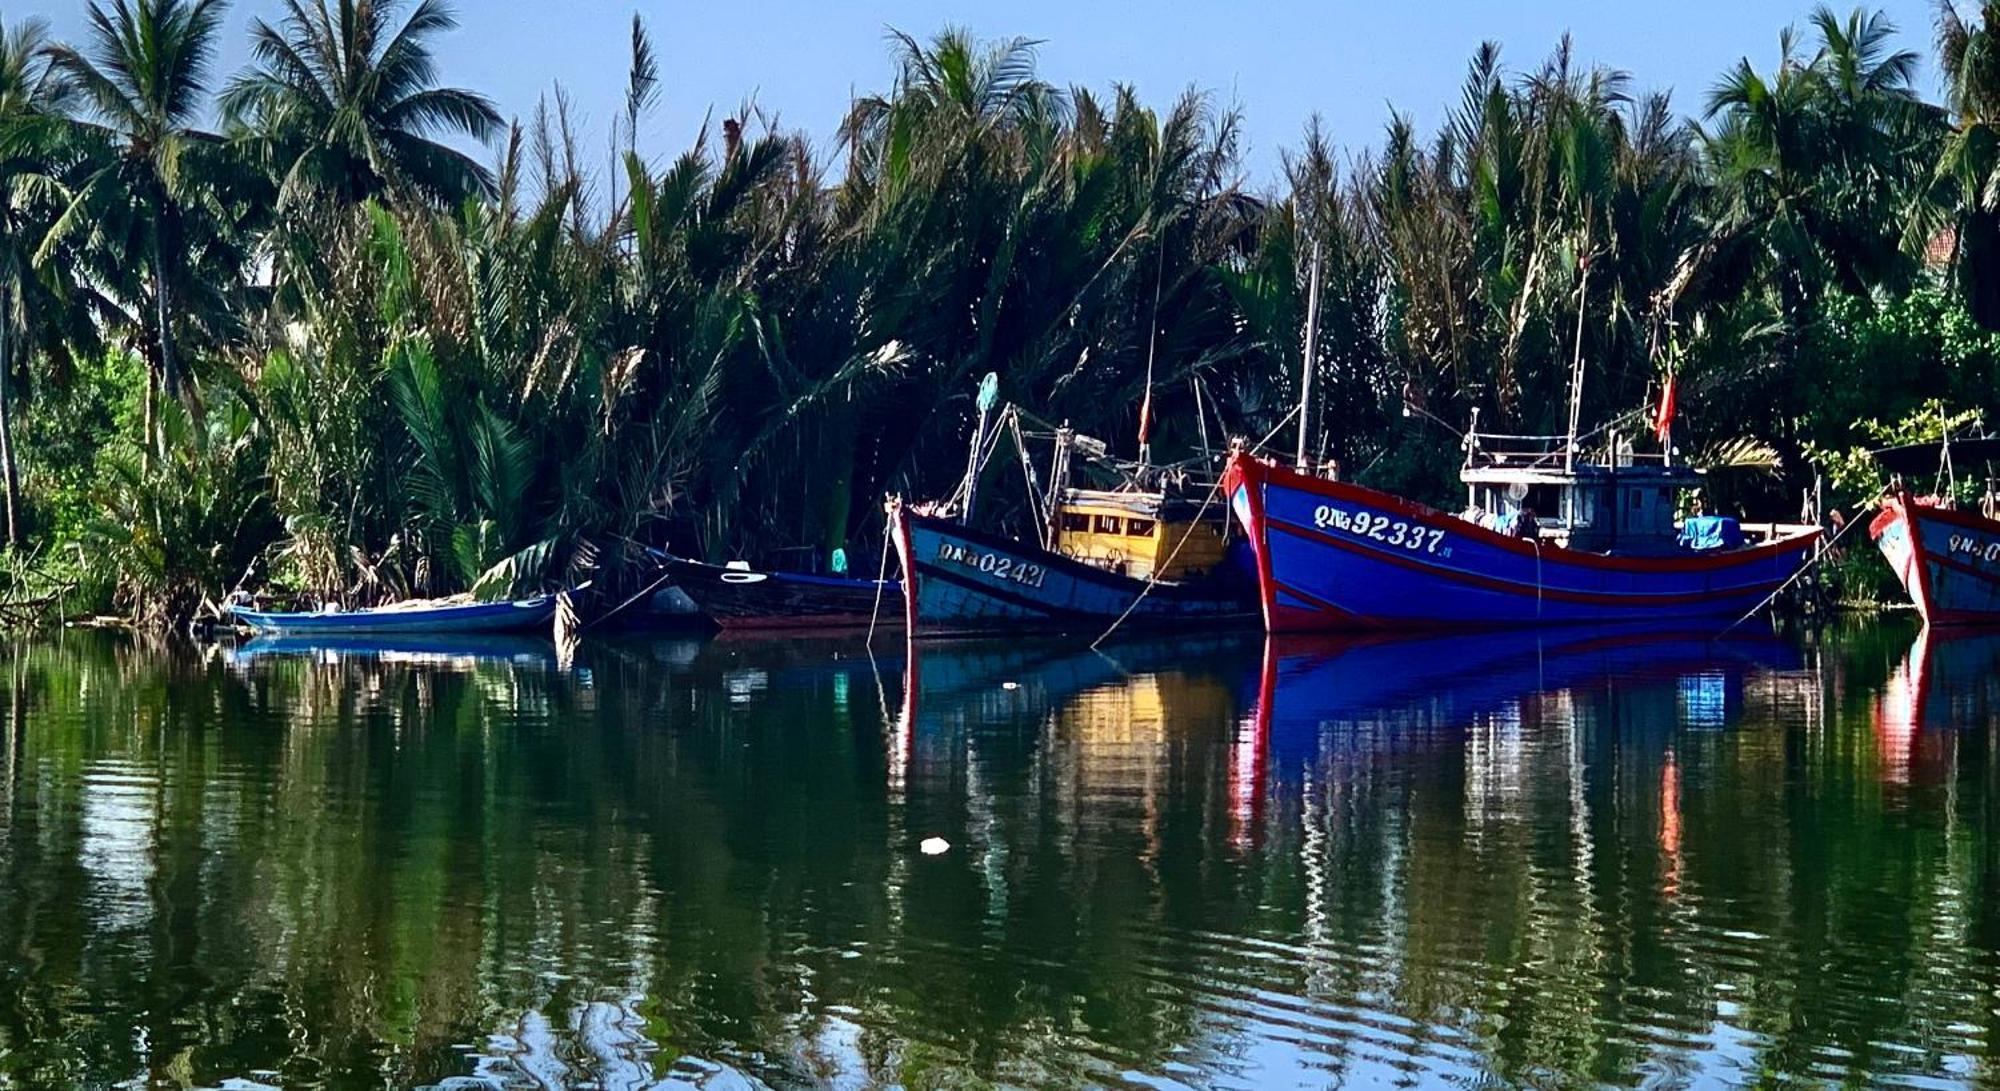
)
(1663, 420)
(1146, 417)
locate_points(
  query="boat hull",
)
(784, 601)
(478, 617)
(1336, 556)
(962, 580)
(1948, 561)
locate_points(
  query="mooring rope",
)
(881, 578)
(1824, 549)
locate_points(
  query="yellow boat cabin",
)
(1145, 535)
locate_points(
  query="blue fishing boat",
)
(517, 615)
(1547, 539)
(1152, 560)
(1151, 552)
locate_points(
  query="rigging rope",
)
(1153, 577)
(1825, 549)
(881, 580)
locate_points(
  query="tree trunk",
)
(150, 440)
(1979, 267)
(170, 372)
(8, 467)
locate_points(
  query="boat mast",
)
(989, 396)
(1577, 374)
(1306, 361)
(1058, 484)
(1576, 362)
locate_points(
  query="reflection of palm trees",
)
(639, 868)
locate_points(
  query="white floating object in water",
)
(1010, 685)
(934, 846)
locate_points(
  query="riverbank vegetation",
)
(275, 328)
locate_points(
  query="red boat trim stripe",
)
(1964, 519)
(1315, 602)
(1956, 565)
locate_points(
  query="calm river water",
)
(1575, 859)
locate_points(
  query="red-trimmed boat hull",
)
(1334, 556)
(1949, 561)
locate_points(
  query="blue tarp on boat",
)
(1703, 533)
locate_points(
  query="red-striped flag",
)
(1663, 420)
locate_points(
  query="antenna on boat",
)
(1306, 361)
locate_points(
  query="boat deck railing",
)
(1497, 450)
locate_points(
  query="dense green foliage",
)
(314, 345)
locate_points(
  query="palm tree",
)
(145, 78)
(1812, 158)
(350, 105)
(32, 97)
(1966, 183)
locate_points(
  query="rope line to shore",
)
(1153, 577)
(1825, 549)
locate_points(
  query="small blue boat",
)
(470, 617)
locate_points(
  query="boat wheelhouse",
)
(1625, 505)
(1145, 535)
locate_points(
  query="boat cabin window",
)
(1139, 528)
(1075, 523)
(1110, 524)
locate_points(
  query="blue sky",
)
(1281, 62)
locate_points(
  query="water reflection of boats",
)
(1949, 680)
(1957, 675)
(1444, 682)
(1019, 698)
(1046, 673)
(439, 649)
